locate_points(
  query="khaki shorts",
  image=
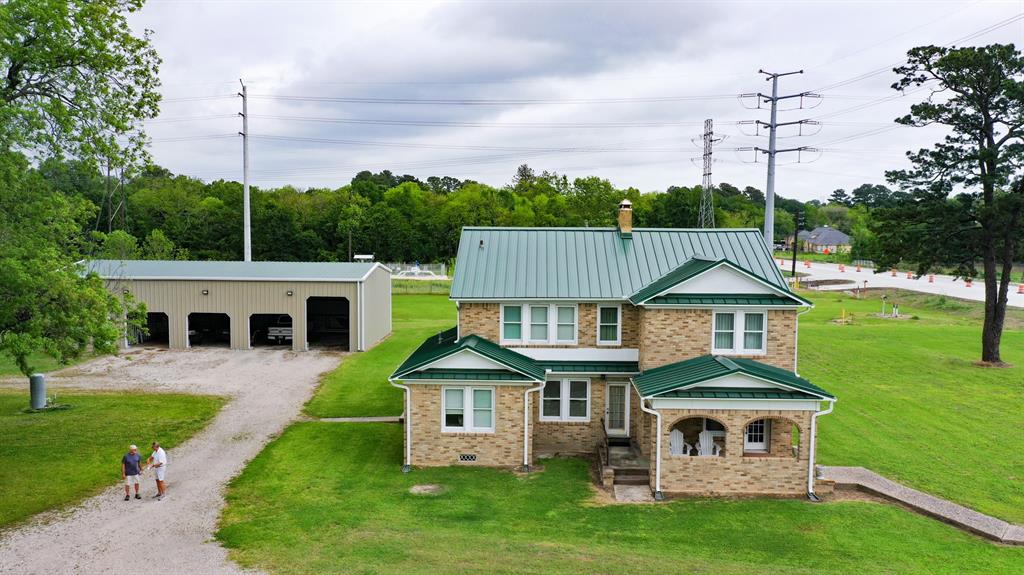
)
(131, 479)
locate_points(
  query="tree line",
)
(160, 215)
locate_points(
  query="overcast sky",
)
(614, 89)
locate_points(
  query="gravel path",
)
(108, 535)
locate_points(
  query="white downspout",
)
(658, 495)
(526, 425)
(810, 458)
(362, 318)
(796, 338)
(408, 425)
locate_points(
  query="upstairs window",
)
(565, 316)
(738, 333)
(538, 323)
(609, 325)
(511, 322)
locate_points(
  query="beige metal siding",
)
(240, 299)
(376, 312)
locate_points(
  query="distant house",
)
(825, 238)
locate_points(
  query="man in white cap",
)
(158, 461)
(130, 471)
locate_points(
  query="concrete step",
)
(632, 480)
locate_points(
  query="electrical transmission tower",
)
(707, 203)
(772, 151)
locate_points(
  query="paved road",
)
(942, 285)
(108, 535)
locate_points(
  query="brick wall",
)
(571, 436)
(502, 448)
(484, 319)
(735, 473)
(671, 335)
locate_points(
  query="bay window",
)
(738, 333)
(467, 409)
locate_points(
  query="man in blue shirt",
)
(130, 471)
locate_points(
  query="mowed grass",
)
(56, 458)
(42, 362)
(360, 385)
(329, 498)
(913, 405)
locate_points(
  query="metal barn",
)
(242, 305)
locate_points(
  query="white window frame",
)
(761, 447)
(467, 409)
(501, 324)
(547, 322)
(563, 400)
(526, 323)
(739, 324)
(618, 326)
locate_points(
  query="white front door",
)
(616, 413)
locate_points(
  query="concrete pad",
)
(633, 494)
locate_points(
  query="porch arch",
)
(685, 433)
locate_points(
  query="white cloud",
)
(539, 51)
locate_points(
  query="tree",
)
(755, 195)
(980, 159)
(47, 303)
(840, 197)
(119, 245)
(75, 79)
(872, 195)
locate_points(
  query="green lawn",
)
(41, 362)
(354, 514)
(360, 385)
(57, 458)
(912, 404)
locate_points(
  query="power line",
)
(417, 145)
(491, 102)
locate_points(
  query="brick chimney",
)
(626, 218)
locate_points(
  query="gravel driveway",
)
(108, 535)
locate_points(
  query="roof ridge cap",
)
(726, 362)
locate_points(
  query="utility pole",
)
(246, 226)
(772, 151)
(707, 202)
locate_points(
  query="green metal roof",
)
(236, 271)
(708, 299)
(736, 393)
(683, 374)
(690, 268)
(591, 366)
(594, 263)
(467, 375)
(447, 343)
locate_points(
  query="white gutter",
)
(796, 338)
(658, 495)
(526, 425)
(810, 459)
(407, 467)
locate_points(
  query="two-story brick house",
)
(678, 345)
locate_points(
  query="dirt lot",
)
(108, 535)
